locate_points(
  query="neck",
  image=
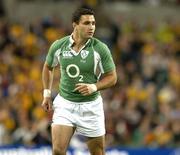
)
(78, 41)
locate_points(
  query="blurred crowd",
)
(143, 109)
(133, 1)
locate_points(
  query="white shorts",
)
(87, 117)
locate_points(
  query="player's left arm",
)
(109, 76)
(108, 79)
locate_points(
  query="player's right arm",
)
(47, 75)
(47, 79)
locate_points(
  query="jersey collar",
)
(71, 40)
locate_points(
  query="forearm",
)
(47, 77)
(108, 80)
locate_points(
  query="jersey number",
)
(76, 74)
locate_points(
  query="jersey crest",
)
(84, 54)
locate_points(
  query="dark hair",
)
(81, 11)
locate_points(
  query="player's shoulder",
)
(58, 44)
(97, 42)
(99, 45)
(60, 41)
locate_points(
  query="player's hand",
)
(47, 104)
(85, 88)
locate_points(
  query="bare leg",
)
(96, 145)
(61, 136)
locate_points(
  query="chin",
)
(90, 36)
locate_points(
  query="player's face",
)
(86, 26)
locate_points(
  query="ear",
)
(74, 25)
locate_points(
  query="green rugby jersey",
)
(86, 66)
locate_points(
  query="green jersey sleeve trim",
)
(51, 58)
(106, 63)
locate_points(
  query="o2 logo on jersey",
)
(76, 72)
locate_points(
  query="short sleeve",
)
(51, 58)
(106, 61)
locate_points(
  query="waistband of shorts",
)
(79, 103)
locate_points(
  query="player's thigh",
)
(96, 145)
(61, 135)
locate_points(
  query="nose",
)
(91, 26)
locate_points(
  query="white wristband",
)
(47, 93)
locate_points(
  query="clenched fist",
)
(85, 88)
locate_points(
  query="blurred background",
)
(142, 110)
